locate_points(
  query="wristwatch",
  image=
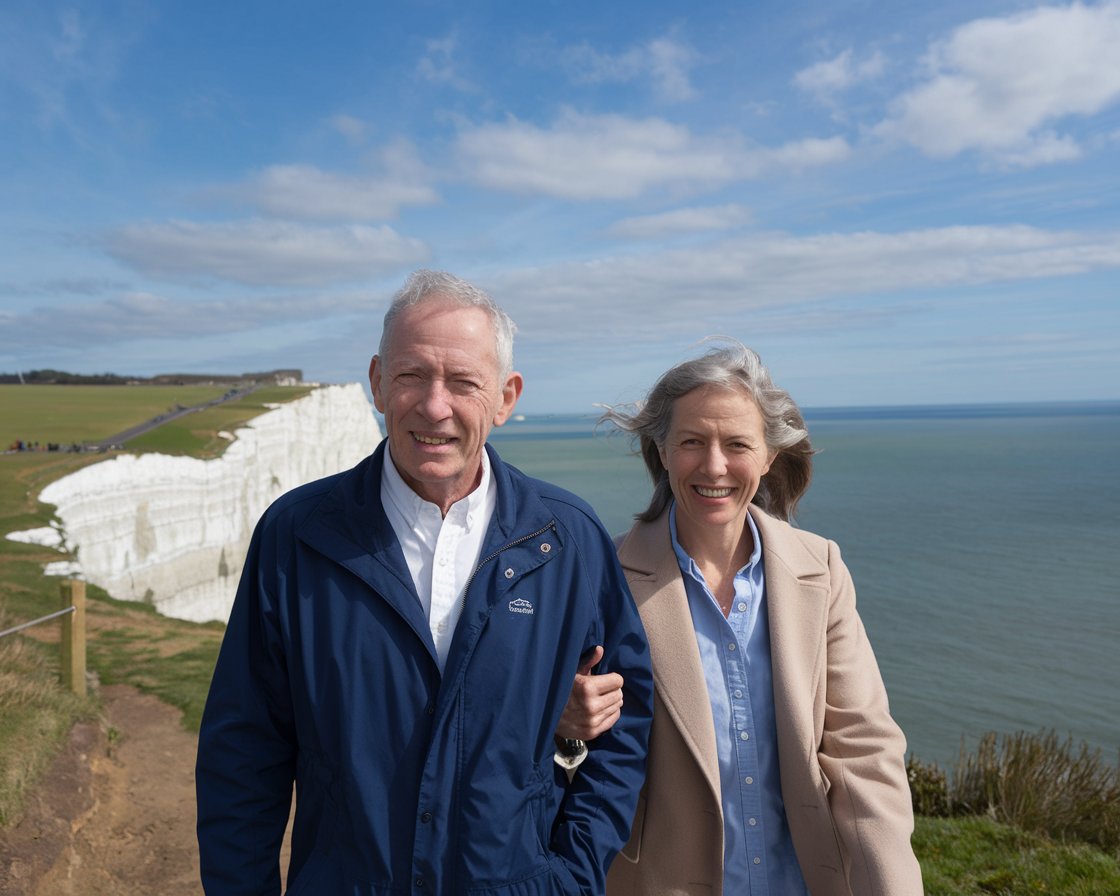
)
(570, 752)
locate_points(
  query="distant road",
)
(122, 437)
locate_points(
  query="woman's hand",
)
(594, 704)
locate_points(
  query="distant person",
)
(774, 764)
(402, 644)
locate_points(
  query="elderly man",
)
(402, 644)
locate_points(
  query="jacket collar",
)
(350, 527)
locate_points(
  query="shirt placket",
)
(746, 752)
(444, 592)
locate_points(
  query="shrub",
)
(1038, 783)
(929, 788)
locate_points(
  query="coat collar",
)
(797, 602)
(796, 594)
(647, 557)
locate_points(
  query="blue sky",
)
(903, 203)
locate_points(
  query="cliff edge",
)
(173, 531)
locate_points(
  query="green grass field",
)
(67, 414)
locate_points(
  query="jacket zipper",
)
(485, 560)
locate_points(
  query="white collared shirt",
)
(441, 552)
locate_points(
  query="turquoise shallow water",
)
(981, 541)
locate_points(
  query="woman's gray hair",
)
(733, 366)
(422, 285)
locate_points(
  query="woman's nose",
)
(715, 464)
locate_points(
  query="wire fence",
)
(72, 644)
(47, 618)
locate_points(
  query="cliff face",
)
(173, 531)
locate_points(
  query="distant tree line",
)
(62, 378)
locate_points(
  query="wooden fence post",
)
(74, 636)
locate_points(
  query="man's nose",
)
(435, 404)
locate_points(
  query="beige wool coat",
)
(841, 755)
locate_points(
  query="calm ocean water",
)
(979, 538)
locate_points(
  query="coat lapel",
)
(655, 580)
(797, 605)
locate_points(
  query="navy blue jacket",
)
(408, 781)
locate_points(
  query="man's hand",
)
(594, 704)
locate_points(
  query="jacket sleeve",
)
(246, 749)
(598, 808)
(862, 754)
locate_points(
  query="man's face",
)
(441, 392)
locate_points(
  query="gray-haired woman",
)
(774, 766)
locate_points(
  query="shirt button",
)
(420, 881)
(509, 573)
(752, 822)
(742, 608)
(749, 779)
(731, 646)
(757, 860)
(427, 816)
(738, 693)
(744, 736)
(545, 548)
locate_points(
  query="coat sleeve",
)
(862, 754)
(599, 805)
(246, 749)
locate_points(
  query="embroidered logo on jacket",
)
(520, 605)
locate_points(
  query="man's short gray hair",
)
(423, 285)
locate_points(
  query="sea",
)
(983, 541)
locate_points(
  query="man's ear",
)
(375, 383)
(511, 391)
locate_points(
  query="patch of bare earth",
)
(115, 814)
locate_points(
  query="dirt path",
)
(115, 814)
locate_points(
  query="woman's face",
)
(716, 455)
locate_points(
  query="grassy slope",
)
(127, 642)
(173, 659)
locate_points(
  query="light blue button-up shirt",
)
(758, 856)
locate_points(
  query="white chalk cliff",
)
(173, 531)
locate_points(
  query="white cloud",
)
(585, 157)
(682, 220)
(834, 75)
(350, 127)
(141, 315)
(1000, 85)
(729, 282)
(438, 64)
(264, 252)
(808, 153)
(304, 192)
(664, 61)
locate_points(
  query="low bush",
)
(1031, 781)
